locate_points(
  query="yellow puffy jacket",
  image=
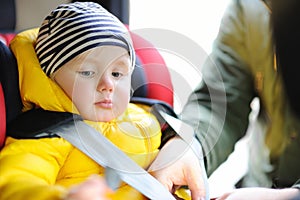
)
(45, 168)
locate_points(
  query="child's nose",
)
(106, 83)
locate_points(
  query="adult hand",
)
(262, 193)
(179, 165)
(94, 188)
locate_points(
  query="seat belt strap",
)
(117, 163)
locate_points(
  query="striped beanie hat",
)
(74, 28)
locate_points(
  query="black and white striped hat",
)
(74, 28)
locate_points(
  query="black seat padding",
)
(10, 82)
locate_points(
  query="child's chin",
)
(104, 118)
(101, 117)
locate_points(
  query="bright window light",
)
(192, 26)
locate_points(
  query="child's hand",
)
(94, 188)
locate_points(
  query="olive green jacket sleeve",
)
(219, 107)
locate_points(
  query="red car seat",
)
(150, 66)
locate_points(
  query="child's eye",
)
(116, 74)
(86, 73)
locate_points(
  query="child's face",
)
(98, 81)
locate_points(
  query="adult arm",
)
(218, 108)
